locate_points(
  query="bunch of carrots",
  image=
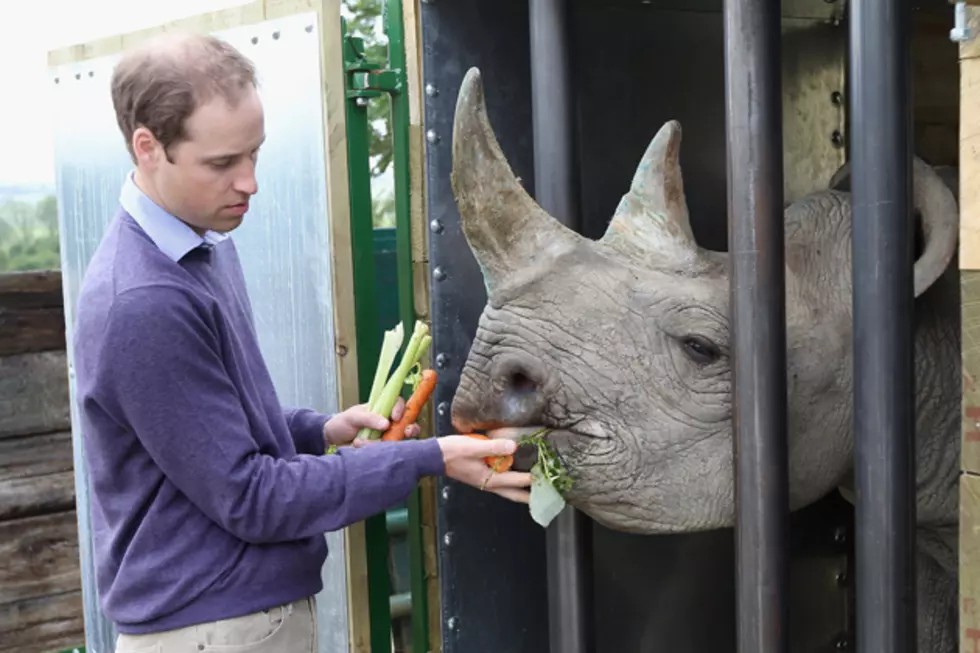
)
(387, 387)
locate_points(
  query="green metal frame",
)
(367, 80)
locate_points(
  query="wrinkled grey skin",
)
(622, 346)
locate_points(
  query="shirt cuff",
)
(306, 427)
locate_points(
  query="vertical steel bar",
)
(569, 537)
(756, 253)
(882, 258)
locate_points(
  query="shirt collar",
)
(172, 236)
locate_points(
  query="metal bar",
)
(569, 537)
(757, 278)
(401, 160)
(554, 160)
(883, 306)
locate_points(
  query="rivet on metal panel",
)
(439, 274)
(452, 622)
(78, 75)
(57, 80)
(840, 535)
(432, 136)
(442, 360)
(91, 73)
(275, 35)
(445, 493)
(255, 40)
(443, 408)
(837, 98)
(837, 138)
(309, 28)
(841, 577)
(447, 539)
(436, 226)
(431, 90)
(842, 644)
(342, 350)
(361, 101)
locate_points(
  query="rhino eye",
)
(701, 350)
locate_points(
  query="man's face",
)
(211, 175)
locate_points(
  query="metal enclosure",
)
(633, 66)
(284, 244)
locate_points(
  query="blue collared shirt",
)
(172, 236)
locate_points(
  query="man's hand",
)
(464, 458)
(343, 428)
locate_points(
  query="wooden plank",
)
(420, 278)
(969, 195)
(36, 475)
(935, 86)
(31, 289)
(970, 328)
(40, 557)
(246, 14)
(969, 562)
(34, 395)
(42, 625)
(25, 330)
(37, 495)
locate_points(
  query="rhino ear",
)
(934, 198)
(506, 229)
(652, 216)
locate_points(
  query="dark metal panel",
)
(492, 565)
(882, 241)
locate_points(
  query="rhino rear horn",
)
(937, 206)
(652, 220)
(506, 229)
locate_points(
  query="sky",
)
(28, 30)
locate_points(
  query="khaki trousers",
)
(290, 628)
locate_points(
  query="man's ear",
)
(146, 148)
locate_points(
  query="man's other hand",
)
(343, 428)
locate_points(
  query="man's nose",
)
(246, 182)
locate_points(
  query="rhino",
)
(621, 346)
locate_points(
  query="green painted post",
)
(366, 315)
(401, 151)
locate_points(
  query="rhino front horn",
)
(506, 229)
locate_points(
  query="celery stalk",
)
(385, 401)
(389, 349)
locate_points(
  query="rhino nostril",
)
(521, 383)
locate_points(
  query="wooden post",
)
(40, 580)
(969, 261)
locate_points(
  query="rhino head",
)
(622, 346)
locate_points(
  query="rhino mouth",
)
(526, 455)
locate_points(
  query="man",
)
(210, 499)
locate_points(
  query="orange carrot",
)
(413, 407)
(498, 463)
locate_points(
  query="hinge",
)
(365, 78)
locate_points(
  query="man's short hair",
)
(161, 83)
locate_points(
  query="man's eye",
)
(222, 164)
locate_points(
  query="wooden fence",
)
(40, 579)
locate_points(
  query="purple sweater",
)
(209, 499)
